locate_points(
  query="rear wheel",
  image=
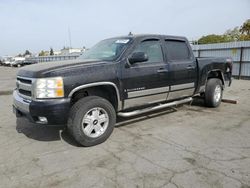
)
(91, 120)
(213, 92)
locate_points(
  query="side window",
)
(177, 50)
(152, 48)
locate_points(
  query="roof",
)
(134, 36)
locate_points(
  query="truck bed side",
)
(213, 67)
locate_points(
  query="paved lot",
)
(192, 146)
(7, 77)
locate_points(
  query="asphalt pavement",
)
(189, 146)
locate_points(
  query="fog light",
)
(42, 120)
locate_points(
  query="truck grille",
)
(24, 87)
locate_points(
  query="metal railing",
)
(40, 59)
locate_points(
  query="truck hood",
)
(40, 69)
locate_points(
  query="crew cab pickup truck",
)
(123, 76)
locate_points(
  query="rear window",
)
(177, 50)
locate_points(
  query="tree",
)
(245, 28)
(212, 39)
(244, 37)
(42, 53)
(235, 34)
(51, 51)
(232, 34)
(245, 31)
(27, 52)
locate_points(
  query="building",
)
(67, 51)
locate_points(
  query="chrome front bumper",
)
(55, 110)
(20, 104)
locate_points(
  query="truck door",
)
(182, 68)
(146, 82)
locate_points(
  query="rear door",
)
(146, 82)
(182, 68)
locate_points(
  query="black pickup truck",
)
(124, 76)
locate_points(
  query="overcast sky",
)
(40, 24)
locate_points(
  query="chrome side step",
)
(158, 107)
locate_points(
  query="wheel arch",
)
(102, 87)
(216, 73)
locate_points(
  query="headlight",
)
(49, 88)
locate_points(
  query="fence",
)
(40, 59)
(238, 51)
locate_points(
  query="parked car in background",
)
(28, 62)
(7, 62)
(22, 63)
(17, 63)
(1, 61)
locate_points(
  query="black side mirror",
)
(137, 57)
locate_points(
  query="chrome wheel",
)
(95, 122)
(217, 93)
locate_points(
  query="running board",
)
(158, 107)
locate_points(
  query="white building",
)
(19, 58)
(57, 52)
(69, 51)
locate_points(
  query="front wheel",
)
(213, 92)
(91, 120)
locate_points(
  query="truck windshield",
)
(106, 50)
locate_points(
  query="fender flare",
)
(99, 84)
(203, 87)
(221, 74)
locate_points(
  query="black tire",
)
(77, 113)
(211, 100)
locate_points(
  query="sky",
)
(37, 25)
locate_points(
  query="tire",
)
(213, 92)
(85, 117)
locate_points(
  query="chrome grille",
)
(24, 87)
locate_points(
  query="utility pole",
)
(69, 33)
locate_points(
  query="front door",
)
(146, 82)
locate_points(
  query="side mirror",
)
(137, 57)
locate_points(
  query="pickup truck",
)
(122, 76)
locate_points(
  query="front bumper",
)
(55, 110)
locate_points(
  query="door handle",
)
(190, 67)
(162, 70)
